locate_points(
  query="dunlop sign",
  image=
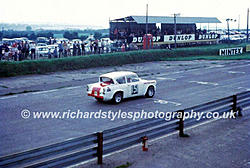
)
(208, 36)
(182, 37)
(140, 39)
(231, 51)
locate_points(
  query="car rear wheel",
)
(117, 98)
(150, 92)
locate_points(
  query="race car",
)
(116, 86)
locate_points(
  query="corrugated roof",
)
(180, 20)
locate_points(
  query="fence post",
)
(181, 125)
(99, 147)
(239, 109)
(234, 107)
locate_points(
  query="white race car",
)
(118, 85)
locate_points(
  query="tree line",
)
(69, 34)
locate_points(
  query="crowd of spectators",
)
(125, 33)
(25, 50)
(16, 51)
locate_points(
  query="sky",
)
(98, 12)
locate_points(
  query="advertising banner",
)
(179, 38)
(231, 51)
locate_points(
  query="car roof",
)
(117, 74)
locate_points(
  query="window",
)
(121, 80)
(106, 80)
(132, 78)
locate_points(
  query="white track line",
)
(158, 101)
(7, 97)
(46, 91)
(236, 72)
(204, 83)
(161, 78)
(73, 87)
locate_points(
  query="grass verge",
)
(113, 59)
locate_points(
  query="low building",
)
(133, 28)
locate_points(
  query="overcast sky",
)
(98, 12)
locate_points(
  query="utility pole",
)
(228, 30)
(147, 26)
(228, 38)
(175, 31)
(247, 23)
(175, 14)
(239, 24)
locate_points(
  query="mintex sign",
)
(231, 51)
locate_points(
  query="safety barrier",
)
(98, 144)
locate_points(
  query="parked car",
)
(59, 40)
(42, 51)
(118, 85)
(42, 40)
(77, 41)
(41, 44)
(52, 47)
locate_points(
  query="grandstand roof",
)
(168, 19)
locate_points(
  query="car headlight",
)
(108, 89)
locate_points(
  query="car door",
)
(122, 85)
(135, 89)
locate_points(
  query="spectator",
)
(60, 46)
(78, 48)
(50, 40)
(6, 51)
(55, 53)
(54, 41)
(49, 54)
(102, 45)
(27, 49)
(23, 50)
(12, 50)
(33, 50)
(83, 48)
(91, 46)
(65, 48)
(123, 47)
(95, 46)
(99, 47)
(1, 51)
(68, 51)
(74, 49)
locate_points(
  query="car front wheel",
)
(150, 92)
(117, 98)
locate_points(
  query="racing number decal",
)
(134, 89)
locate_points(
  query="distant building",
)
(133, 28)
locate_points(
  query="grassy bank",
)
(112, 59)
